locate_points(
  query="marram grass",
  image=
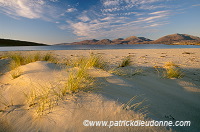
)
(42, 99)
(88, 62)
(172, 70)
(47, 98)
(78, 80)
(126, 61)
(16, 73)
(18, 59)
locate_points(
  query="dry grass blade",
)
(137, 106)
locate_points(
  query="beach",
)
(28, 102)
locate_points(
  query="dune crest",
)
(70, 112)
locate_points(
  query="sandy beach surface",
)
(176, 99)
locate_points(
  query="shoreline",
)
(98, 47)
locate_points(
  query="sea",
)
(96, 47)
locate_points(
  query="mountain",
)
(9, 42)
(177, 39)
(137, 40)
(104, 41)
(85, 42)
(118, 41)
(144, 39)
(131, 40)
(173, 39)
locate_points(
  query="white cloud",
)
(54, 0)
(82, 29)
(142, 1)
(24, 8)
(156, 24)
(158, 12)
(84, 18)
(116, 18)
(154, 17)
(111, 2)
(32, 9)
(86, 31)
(99, 28)
(111, 9)
(125, 5)
(151, 7)
(113, 26)
(71, 10)
(115, 21)
(107, 18)
(63, 27)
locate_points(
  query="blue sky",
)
(58, 21)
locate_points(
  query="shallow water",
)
(96, 47)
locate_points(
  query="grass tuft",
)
(125, 62)
(77, 80)
(88, 62)
(16, 73)
(18, 59)
(49, 57)
(43, 101)
(138, 72)
(170, 64)
(96, 61)
(173, 73)
(136, 105)
(172, 70)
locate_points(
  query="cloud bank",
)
(121, 17)
(108, 18)
(31, 9)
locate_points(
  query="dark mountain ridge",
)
(9, 42)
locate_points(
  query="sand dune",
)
(68, 114)
(163, 99)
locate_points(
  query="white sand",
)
(164, 97)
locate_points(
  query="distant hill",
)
(8, 42)
(129, 40)
(136, 39)
(178, 39)
(132, 40)
(173, 39)
(85, 42)
(104, 41)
